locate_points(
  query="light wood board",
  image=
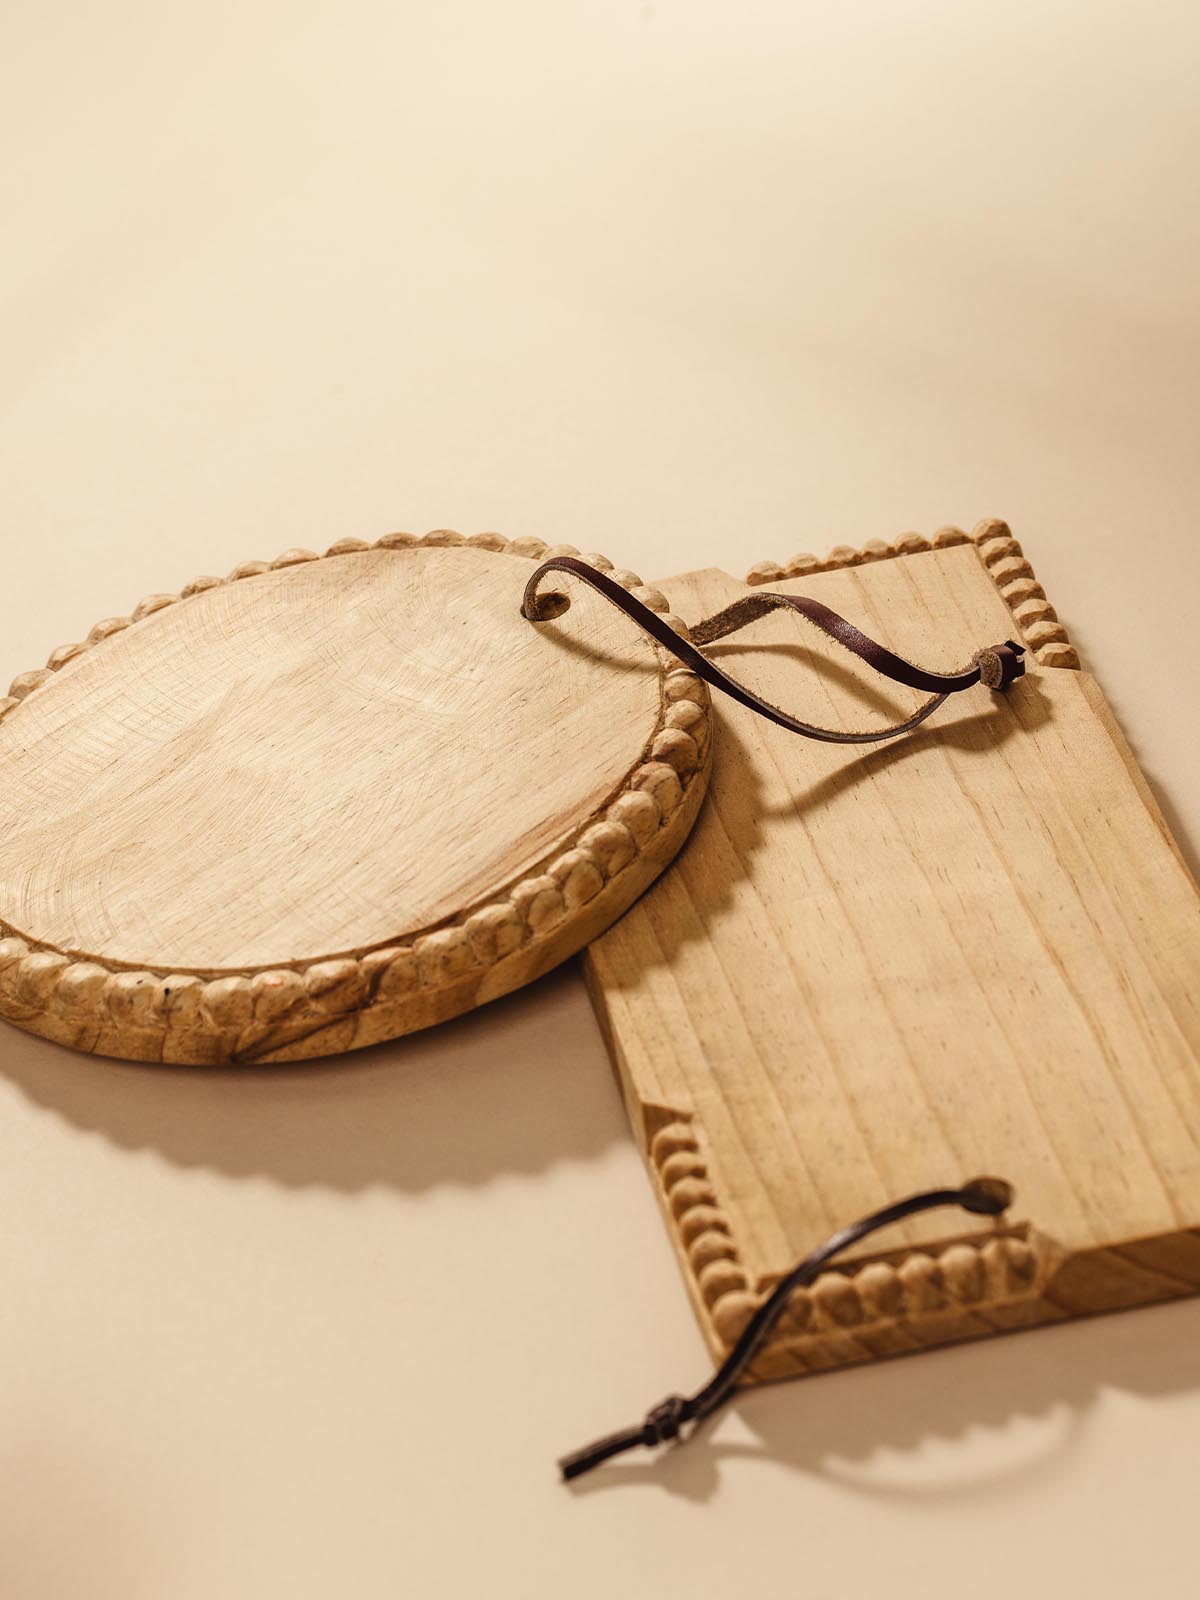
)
(973, 951)
(325, 801)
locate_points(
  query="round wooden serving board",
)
(327, 801)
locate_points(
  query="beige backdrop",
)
(691, 284)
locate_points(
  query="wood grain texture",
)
(975, 950)
(326, 801)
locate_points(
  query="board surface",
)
(325, 801)
(973, 950)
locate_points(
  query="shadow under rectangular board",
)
(975, 950)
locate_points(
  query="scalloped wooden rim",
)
(1010, 571)
(245, 1008)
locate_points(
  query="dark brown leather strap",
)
(984, 1197)
(997, 666)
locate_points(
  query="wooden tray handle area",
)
(890, 1302)
(872, 1298)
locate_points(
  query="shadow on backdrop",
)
(512, 1087)
(893, 1429)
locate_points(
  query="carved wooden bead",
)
(687, 717)
(1008, 569)
(65, 652)
(552, 550)
(398, 975)
(710, 1246)
(1017, 590)
(991, 528)
(182, 1001)
(347, 547)
(495, 932)
(731, 1314)
(601, 563)
(911, 544)
(659, 781)
(674, 1136)
(842, 555)
(1043, 633)
(10, 992)
(802, 566)
(398, 541)
(627, 579)
(836, 1301)
(701, 1220)
(611, 846)
(540, 903)
(682, 1164)
(106, 629)
(946, 538)
(994, 1260)
(151, 604)
(12, 950)
(228, 1003)
(677, 749)
(134, 999)
(993, 551)
(798, 1315)
(639, 813)
(962, 1273)
(578, 878)
(336, 986)
(765, 572)
(689, 1192)
(489, 541)
(1031, 611)
(875, 550)
(35, 979)
(294, 557)
(274, 994)
(655, 599)
(444, 955)
(27, 682)
(532, 549)
(250, 569)
(200, 586)
(718, 1279)
(922, 1282)
(1057, 655)
(684, 685)
(443, 537)
(1021, 1262)
(880, 1291)
(7, 704)
(79, 989)
(676, 624)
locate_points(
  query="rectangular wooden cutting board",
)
(974, 950)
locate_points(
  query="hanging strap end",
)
(661, 1425)
(1001, 665)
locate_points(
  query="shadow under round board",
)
(328, 801)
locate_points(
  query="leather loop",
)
(997, 666)
(984, 1197)
(663, 1423)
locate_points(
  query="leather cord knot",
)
(663, 1423)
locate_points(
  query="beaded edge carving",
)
(891, 1304)
(244, 1017)
(997, 549)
